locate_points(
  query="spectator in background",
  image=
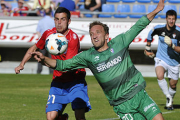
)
(90, 6)
(4, 9)
(44, 24)
(68, 4)
(21, 7)
(41, 6)
(8, 5)
(56, 3)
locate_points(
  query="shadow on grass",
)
(175, 106)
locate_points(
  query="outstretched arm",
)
(27, 56)
(159, 7)
(44, 60)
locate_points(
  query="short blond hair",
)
(106, 28)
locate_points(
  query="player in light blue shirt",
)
(167, 56)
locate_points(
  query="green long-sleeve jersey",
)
(112, 68)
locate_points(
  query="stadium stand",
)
(137, 8)
(155, 1)
(122, 8)
(114, 1)
(107, 8)
(174, 1)
(128, 8)
(129, 1)
(166, 8)
(14, 5)
(144, 1)
(9, 0)
(86, 15)
(178, 16)
(151, 8)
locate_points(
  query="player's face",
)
(61, 22)
(99, 38)
(171, 20)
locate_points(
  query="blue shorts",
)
(61, 94)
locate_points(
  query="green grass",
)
(23, 97)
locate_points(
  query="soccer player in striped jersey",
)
(66, 87)
(167, 56)
(110, 62)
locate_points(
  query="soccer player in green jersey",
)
(122, 83)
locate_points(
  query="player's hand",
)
(168, 41)
(160, 5)
(38, 56)
(149, 54)
(18, 68)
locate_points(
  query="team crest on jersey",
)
(174, 35)
(112, 50)
(163, 33)
(96, 58)
(74, 36)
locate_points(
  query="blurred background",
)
(19, 19)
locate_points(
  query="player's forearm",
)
(27, 56)
(148, 47)
(148, 43)
(50, 62)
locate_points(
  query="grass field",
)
(23, 97)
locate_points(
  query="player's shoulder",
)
(72, 35)
(178, 28)
(72, 32)
(52, 30)
(159, 26)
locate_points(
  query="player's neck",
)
(170, 28)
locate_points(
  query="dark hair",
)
(63, 10)
(49, 11)
(171, 12)
(106, 28)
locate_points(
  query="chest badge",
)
(163, 33)
(96, 58)
(174, 35)
(112, 50)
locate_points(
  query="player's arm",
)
(141, 24)
(148, 52)
(98, 4)
(26, 57)
(43, 59)
(66, 65)
(168, 41)
(159, 7)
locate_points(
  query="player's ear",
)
(69, 21)
(107, 36)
